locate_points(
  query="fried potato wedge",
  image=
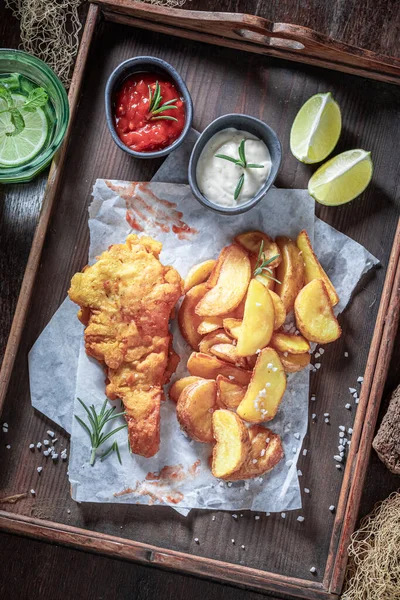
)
(209, 367)
(232, 327)
(228, 353)
(290, 272)
(266, 389)
(229, 394)
(294, 362)
(209, 324)
(262, 277)
(194, 410)
(232, 280)
(178, 386)
(198, 274)
(251, 241)
(232, 443)
(258, 320)
(314, 314)
(279, 310)
(313, 268)
(266, 452)
(188, 320)
(288, 342)
(211, 339)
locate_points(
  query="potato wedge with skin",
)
(178, 386)
(228, 353)
(211, 339)
(288, 342)
(188, 320)
(229, 394)
(313, 268)
(279, 308)
(198, 274)
(209, 367)
(231, 286)
(251, 241)
(265, 453)
(194, 410)
(290, 272)
(265, 390)
(314, 314)
(294, 362)
(232, 327)
(258, 320)
(209, 324)
(262, 278)
(232, 443)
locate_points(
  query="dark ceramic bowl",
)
(146, 64)
(245, 123)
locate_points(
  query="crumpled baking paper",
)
(175, 476)
(183, 482)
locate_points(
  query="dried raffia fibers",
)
(50, 30)
(373, 571)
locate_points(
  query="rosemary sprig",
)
(113, 448)
(155, 106)
(240, 162)
(262, 264)
(97, 423)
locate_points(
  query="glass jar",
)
(35, 70)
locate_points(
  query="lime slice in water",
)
(342, 178)
(316, 129)
(16, 150)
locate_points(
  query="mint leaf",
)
(5, 93)
(36, 98)
(17, 120)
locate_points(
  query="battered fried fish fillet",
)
(126, 300)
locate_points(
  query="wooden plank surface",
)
(368, 119)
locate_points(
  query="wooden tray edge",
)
(49, 198)
(146, 554)
(255, 34)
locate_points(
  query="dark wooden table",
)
(31, 569)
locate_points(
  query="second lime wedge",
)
(316, 129)
(342, 178)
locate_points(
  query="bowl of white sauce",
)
(234, 163)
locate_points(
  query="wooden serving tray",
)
(278, 552)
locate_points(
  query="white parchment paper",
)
(281, 212)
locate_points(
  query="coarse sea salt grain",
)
(46, 442)
(300, 519)
(297, 436)
(340, 448)
(352, 390)
(339, 467)
(31, 446)
(317, 365)
(39, 469)
(305, 452)
(341, 434)
(350, 430)
(321, 350)
(360, 379)
(33, 492)
(299, 473)
(326, 420)
(8, 447)
(50, 433)
(196, 540)
(313, 416)
(243, 547)
(337, 458)
(342, 428)
(294, 450)
(289, 463)
(332, 508)
(306, 491)
(256, 517)
(313, 570)
(283, 515)
(313, 398)
(348, 406)
(38, 445)
(346, 354)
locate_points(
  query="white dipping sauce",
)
(217, 178)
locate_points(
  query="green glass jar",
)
(34, 72)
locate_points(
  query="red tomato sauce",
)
(138, 128)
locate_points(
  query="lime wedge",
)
(342, 178)
(316, 129)
(16, 150)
